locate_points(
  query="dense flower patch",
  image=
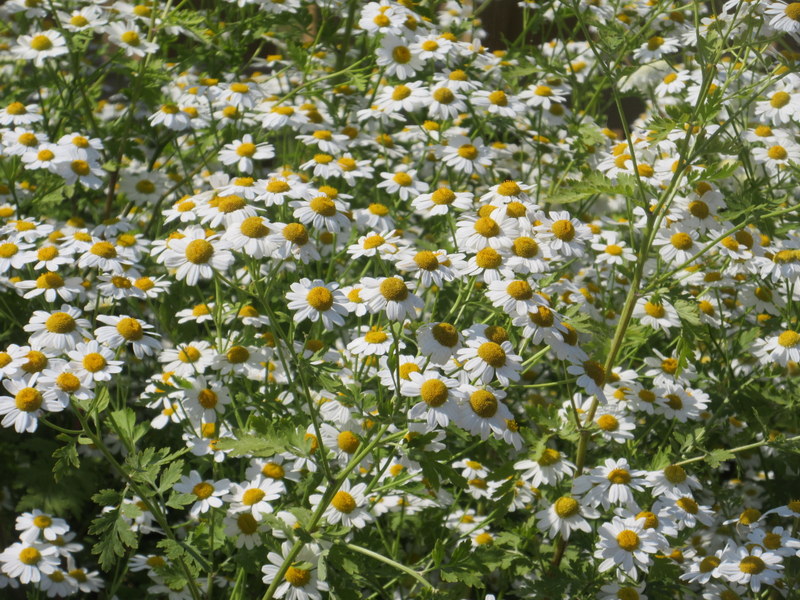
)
(328, 300)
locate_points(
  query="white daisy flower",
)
(243, 152)
(562, 234)
(397, 58)
(196, 257)
(122, 330)
(39, 46)
(207, 492)
(93, 362)
(441, 201)
(244, 529)
(439, 396)
(58, 330)
(626, 545)
(610, 484)
(658, 314)
(438, 341)
(466, 156)
(299, 582)
(482, 413)
(485, 360)
(52, 286)
(374, 342)
(36, 523)
(752, 567)
(390, 294)
(347, 506)
(29, 562)
(564, 516)
(548, 469)
(254, 496)
(315, 300)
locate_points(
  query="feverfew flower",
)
(315, 300)
(627, 545)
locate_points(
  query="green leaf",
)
(66, 457)
(592, 185)
(100, 401)
(170, 476)
(124, 423)
(716, 457)
(689, 312)
(115, 537)
(250, 445)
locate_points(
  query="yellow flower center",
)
(237, 354)
(375, 337)
(563, 229)
(619, 476)
(344, 502)
(566, 507)
(486, 227)
(519, 290)
(247, 149)
(789, 339)
(780, 99)
(498, 98)
(608, 423)
(749, 516)
(394, 289)
(792, 11)
(60, 322)
(41, 42)
(104, 250)
(273, 471)
(130, 329)
(675, 473)
(525, 247)
(68, 382)
(443, 196)
(49, 280)
(247, 524)
(493, 354)
(681, 241)
(650, 519)
(688, 505)
(445, 334)
(203, 490)
(401, 54)
(468, 151)
(549, 457)
(709, 563)
(252, 496)
(656, 311)
(296, 233)
(402, 179)
(426, 260)
(297, 577)
(443, 95)
(94, 362)
(207, 398)
(752, 565)
(28, 399)
(483, 403)
(433, 392)
(347, 442)
(628, 540)
(199, 251)
(322, 205)
(131, 38)
(29, 556)
(320, 298)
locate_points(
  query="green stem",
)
(384, 559)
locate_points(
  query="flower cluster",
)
(388, 296)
